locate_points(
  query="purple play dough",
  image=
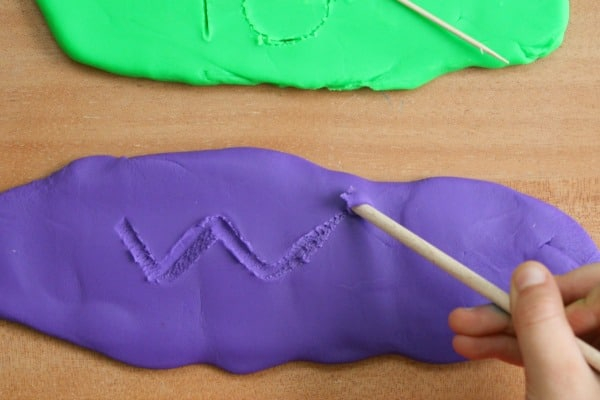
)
(247, 258)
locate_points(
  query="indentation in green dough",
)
(206, 28)
(286, 22)
(338, 44)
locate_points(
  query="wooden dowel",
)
(454, 268)
(450, 28)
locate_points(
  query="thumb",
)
(545, 338)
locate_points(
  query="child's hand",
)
(545, 341)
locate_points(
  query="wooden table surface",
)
(535, 128)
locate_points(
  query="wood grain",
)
(534, 128)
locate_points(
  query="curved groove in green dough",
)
(311, 44)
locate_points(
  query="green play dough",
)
(286, 22)
(338, 44)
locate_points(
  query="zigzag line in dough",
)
(200, 237)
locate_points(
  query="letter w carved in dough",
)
(200, 237)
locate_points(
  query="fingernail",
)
(530, 275)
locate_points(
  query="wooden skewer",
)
(452, 29)
(454, 268)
